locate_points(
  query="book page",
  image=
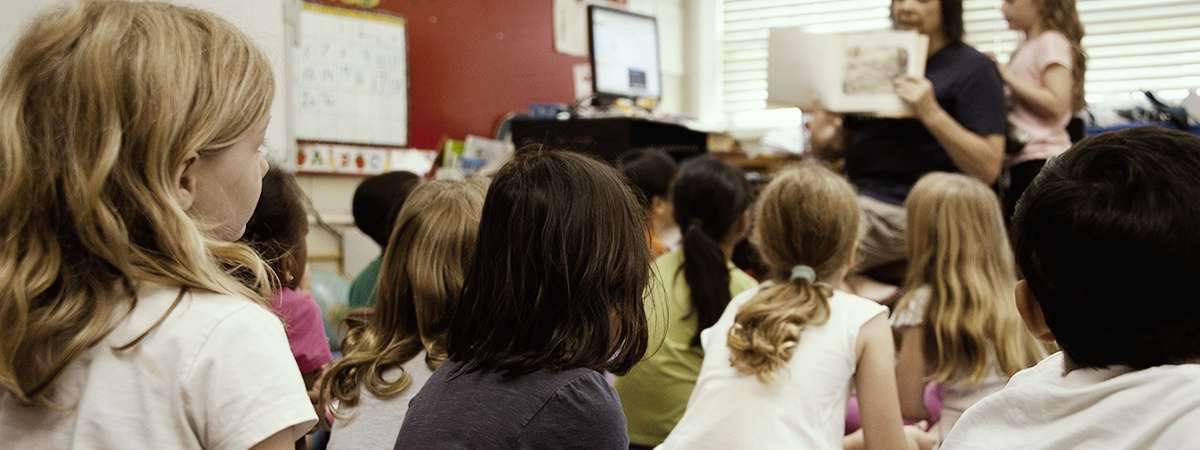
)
(850, 73)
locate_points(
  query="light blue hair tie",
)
(804, 272)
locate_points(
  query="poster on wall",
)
(349, 77)
(571, 25)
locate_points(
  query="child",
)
(393, 348)
(692, 287)
(277, 230)
(129, 160)
(1045, 85)
(651, 172)
(779, 364)
(956, 325)
(376, 203)
(1106, 239)
(552, 298)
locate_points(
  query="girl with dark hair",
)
(552, 298)
(277, 230)
(695, 283)
(651, 173)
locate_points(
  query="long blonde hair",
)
(958, 247)
(100, 102)
(433, 239)
(1060, 16)
(807, 215)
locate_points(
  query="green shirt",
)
(654, 394)
(363, 290)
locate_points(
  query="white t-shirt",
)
(806, 405)
(216, 374)
(958, 397)
(374, 423)
(1115, 408)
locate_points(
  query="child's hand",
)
(917, 434)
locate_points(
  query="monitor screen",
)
(624, 54)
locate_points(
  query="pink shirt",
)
(1044, 137)
(304, 327)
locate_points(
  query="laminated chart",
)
(349, 77)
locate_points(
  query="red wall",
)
(472, 61)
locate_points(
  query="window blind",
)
(1149, 45)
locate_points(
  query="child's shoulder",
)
(197, 314)
(845, 301)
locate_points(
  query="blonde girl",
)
(129, 163)
(779, 364)
(957, 325)
(1045, 86)
(393, 348)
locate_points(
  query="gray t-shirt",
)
(546, 409)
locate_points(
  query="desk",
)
(609, 137)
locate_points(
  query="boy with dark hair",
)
(377, 202)
(1106, 237)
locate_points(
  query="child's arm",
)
(1050, 101)
(875, 382)
(910, 373)
(979, 156)
(279, 441)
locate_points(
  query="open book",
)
(850, 73)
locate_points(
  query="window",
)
(1149, 45)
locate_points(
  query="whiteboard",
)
(350, 77)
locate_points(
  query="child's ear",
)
(185, 182)
(660, 206)
(1031, 313)
(743, 225)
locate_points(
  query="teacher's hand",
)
(917, 93)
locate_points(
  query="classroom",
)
(845, 223)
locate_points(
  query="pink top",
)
(1045, 138)
(305, 330)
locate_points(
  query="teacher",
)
(958, 125)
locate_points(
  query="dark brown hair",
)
(278, 227)
(560, 270)
(1108, 241)
(710, 196)
(378, 200)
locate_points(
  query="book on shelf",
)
(849, 72)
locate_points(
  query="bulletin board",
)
(350, 77)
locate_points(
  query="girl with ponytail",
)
(780, 361)
(694, 284)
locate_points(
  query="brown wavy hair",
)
(957, 245)
(100, 102)
(422, 272)
(807, 215)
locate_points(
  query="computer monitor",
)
(624, 54)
